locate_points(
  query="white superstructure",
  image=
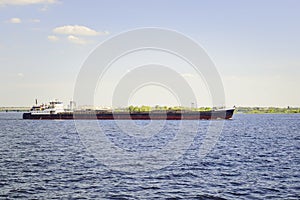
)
(54, 107)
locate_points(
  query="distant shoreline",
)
(242, 110)
(267, 110)
(14, 109)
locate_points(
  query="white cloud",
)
(77, 40)
(53, 38)
(15, 20)
(77, 30)
(25, 2)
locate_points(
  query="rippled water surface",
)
(256, 157)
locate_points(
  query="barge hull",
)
(96, 115)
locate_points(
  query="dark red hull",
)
(101, 115)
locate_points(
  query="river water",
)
(255, 157)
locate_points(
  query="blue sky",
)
(254, 44)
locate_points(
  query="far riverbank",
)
(267, 110)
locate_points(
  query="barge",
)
(55, 111)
